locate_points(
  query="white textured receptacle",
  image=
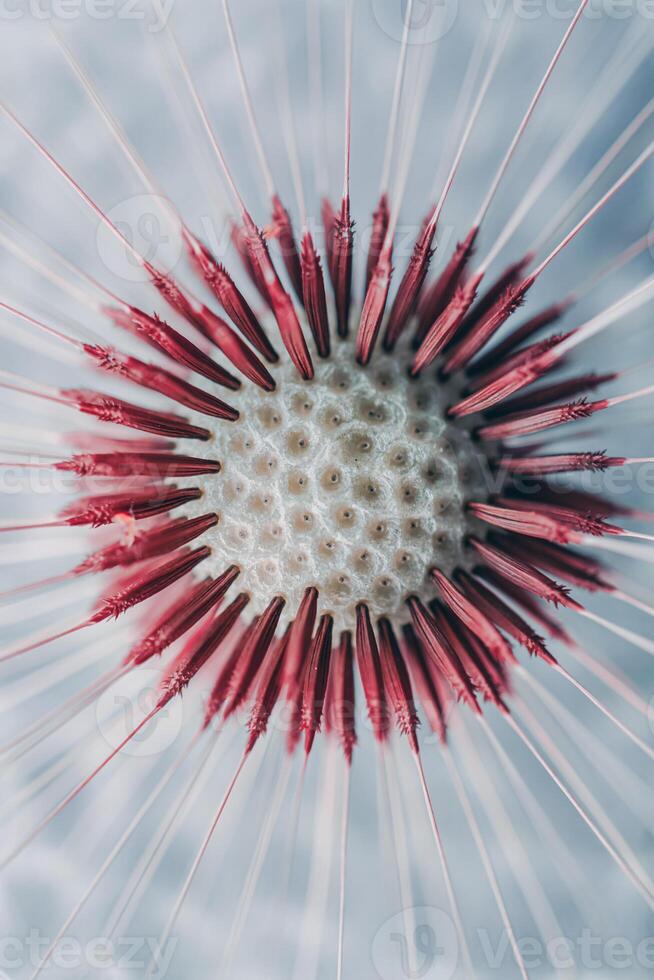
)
(353, 482)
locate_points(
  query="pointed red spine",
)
(286, 239)
(487, 326)
(504, 617)
(342, 258)
(328, 217)
(158, 379)
(282, 304)
(410, 286)
(398, 684)
(207, 596)
(380, 221)
(299, 639)
(162, 465)
(147, 584)
(148, 544)
(469, 614)
(520, 573)
(444, 657)
(315, 682)
(561, 463)
(441, 292)
(547, 394)
(100, 510)
(228, 295)
(314, 296)
(524, 332)
(429, 684)
(268, 691)
(252, 655)
(370, 671)
(445, 328)
(340, 706)
(119, 412)
(164, 338)
(183, 671)
(540, 520)
(374, 306)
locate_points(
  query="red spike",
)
(268, 692)
(411, 284)
(286, 239)
(173, 294)
(118, 412)
(282, 304)
(483, 669)
(581, 500)
(380, 221)
(342, 256)
(162, 465)
(446, 326)
(441, 292)
(370, 671)
(534, 363)
(524, 356)
(185, 667)
(221, 687)
(547, 394)
(504, 617)
(550, 624)
(510, 276)
(541, 520)
(340, 706)
(100, 510)
(522, 574)
(148, 544)
(561, 463)
(428, 684)
(487, 326)
(237, 235)
(299, 640)
(160, 335)
(584, 572)
(374, 306)
(252, 655)
(328, 216)
(158, 379)
(183, 617)
(235, 350)
(315, 681)
(147, 584)
(524, 332)
(398, 684)
(530, 422)
(437, 648)
(313, 292)
(228, 295)
(469, 614)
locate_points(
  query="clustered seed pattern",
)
(353, 483)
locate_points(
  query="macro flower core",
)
(354, 482)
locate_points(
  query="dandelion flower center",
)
(353, 482)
